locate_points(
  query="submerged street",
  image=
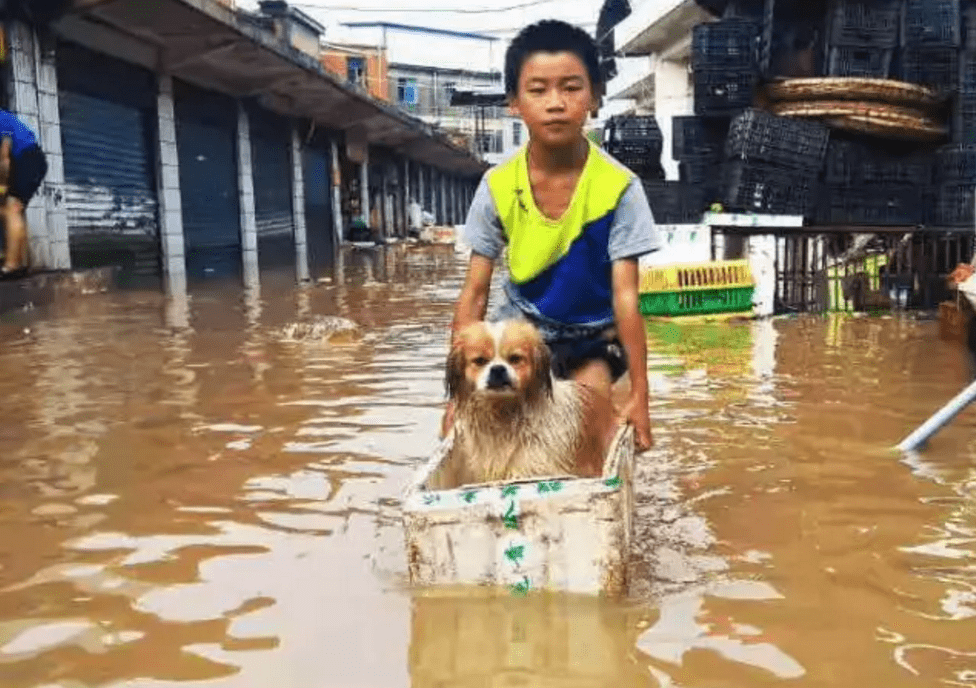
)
(188, 500)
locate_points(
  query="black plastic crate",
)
(934, 67)
(723, 91)
(968, 24)
(889, 204)
(843, 161)
(860, 62)
(883, 168)
(954, 205)
(694, 136)
(967, 72)
(666, 200)
(634, 129)
(704, 173)
(674, 202)
(865, 23)
(705, 170)
(964, 119)
(726, 44)
(749, 186)
(932, 22)
(784, 141)
(956, 163)
(643, 160)
(754, 10)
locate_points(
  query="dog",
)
(513, 419)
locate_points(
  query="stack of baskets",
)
(932, 38)
(862, 37)
(636, 141)
(725, 60)
(698, 144)
(871, 183)
(772, 163)
(697, 289)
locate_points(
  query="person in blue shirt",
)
(23, 167)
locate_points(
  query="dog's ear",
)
(455, 380)
(542, 368)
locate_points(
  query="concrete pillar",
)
(336, 197)
(384, 201)
(455, 201)
(422, 191)
(673, 95)
(443, 187)
(245, 186)
(34, 99)
(168, 183)
(364, 191)
(407, 196)
(298, 207)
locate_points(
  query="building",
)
(655, 75)
(360, 65)
(423, 74)
(187, 139)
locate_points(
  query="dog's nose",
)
(498, 377)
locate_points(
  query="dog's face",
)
(500, 361)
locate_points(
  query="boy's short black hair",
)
(552, 36)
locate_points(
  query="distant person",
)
(23, 167)
(574, 220)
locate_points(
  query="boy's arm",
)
(472, 304)
(632, 235)
(630, 325)
(483, 232)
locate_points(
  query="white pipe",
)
(939, 420)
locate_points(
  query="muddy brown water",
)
(184, 500)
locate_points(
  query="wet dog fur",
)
(513, 419)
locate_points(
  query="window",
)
(407, 92)
(356, 70)
(516, 133)
(449, 88)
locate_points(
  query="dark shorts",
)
(569, 355)
(27, 172)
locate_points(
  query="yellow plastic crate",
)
(723, 274)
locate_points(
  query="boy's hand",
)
(637, 413)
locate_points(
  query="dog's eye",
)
(481, 361)
(515, 359)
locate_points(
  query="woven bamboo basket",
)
(880, 119)
(854, 88)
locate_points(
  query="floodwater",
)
(186, 500)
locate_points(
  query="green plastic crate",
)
(699, 302)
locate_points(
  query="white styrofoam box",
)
(562, 533)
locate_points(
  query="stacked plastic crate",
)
(931, 40)
(869, 182)
(955, 180)
(725, 61)
(636, 141)
(697, 144)
(863, 36)
(772, 164)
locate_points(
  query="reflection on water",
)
(188, 499)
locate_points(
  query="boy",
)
(574, 220)
(25, 166)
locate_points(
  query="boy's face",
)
(554, 98)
